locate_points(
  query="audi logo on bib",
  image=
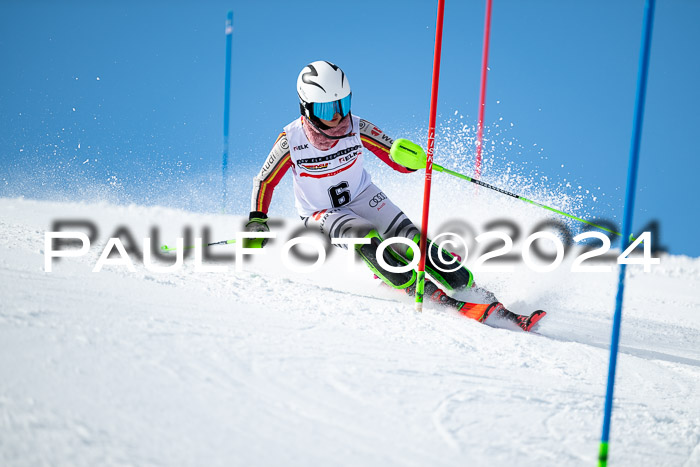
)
(378, 198)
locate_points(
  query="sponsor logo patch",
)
(378, 198)
(329, 165)
(315, 167)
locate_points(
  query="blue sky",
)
(149, 130)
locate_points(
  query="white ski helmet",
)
(320, 83)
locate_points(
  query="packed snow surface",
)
(270, 367)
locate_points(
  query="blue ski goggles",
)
(326, 110)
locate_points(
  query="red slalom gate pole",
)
(482, 92)
(429, 160)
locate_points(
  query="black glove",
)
(257, 223)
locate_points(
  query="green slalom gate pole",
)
(411, 155)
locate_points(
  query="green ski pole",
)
(411, 155)
(166, 248)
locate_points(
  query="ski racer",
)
(325, 149)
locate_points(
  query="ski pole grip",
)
(408, 154)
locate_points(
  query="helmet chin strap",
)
(349, 115)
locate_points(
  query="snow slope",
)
(269, 367)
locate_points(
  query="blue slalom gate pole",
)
(627, 220)
(227, 106)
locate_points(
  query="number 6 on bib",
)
(340, 195)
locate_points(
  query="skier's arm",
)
(379, 143)
(274, 168)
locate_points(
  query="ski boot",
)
(477, 311)
(524, 322)
(527, 323)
